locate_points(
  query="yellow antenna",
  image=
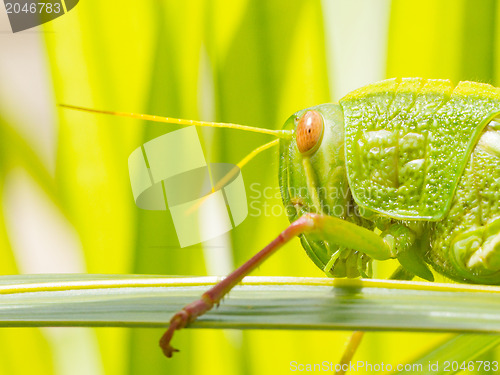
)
(242, 162)
(178, 121)
(222, 182)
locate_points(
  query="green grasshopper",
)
(402, 168)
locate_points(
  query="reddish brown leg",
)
(190, 312)
(329, 228)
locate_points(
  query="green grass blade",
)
(478, 41)
(16, 151)
(172, 91)
(259, 302)
(461, 349)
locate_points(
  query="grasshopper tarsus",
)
(178, 321)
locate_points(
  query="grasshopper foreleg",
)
(190, 312)
(327, 227)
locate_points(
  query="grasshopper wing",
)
(408, 141)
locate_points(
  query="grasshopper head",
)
(312, 168)
(313, 179)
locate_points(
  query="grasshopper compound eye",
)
(309, 132)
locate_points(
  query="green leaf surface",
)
(259, 302)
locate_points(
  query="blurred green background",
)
(67, 205)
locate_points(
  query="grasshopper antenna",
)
(179, 121)
(244, 161)
(170, 120)
(222, 182)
